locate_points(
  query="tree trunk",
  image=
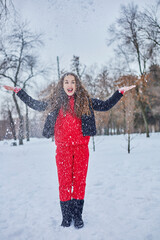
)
(144, 118)
(12, 125)
(143, 114)
(20, 135)
(93, 144)
(111, 122)
(129, 143)
(107, 131)
(21, 121)
(58, 69)
(27, 124)
(124, 117)
(114, 130)
(118, 130)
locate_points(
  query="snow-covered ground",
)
(122, 199)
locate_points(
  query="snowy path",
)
(122, 199)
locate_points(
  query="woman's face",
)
(69, 85)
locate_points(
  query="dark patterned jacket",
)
(88, 122)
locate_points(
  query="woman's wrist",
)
(121, 91)
(16, 89)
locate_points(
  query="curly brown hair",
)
(58, 98)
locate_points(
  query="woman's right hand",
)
(8, 88)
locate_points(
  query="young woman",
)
(71, 120)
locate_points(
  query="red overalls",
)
(72, 155)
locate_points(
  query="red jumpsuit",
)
(72, 155)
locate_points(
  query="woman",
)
(71, 120)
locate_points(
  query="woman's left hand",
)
(125, 89)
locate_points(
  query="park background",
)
(108, 44)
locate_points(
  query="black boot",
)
(77, 209)
(66, 208)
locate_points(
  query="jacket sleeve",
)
(32, 103)
(99, 105)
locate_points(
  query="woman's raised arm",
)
(32, 103)
(99, 105)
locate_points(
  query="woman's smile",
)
(70, 90)
(69, 85)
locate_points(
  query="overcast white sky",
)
(73, 27)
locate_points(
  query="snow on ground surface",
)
(122, 200)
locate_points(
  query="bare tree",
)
(129, 106)
(153, 96)
(128, 32)
(77, 67)
(101, 85)
(105, 88)
(58, 68)
(150, 22)
(19, 63)
(12, 124)
(4, 8)
(8, 115)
